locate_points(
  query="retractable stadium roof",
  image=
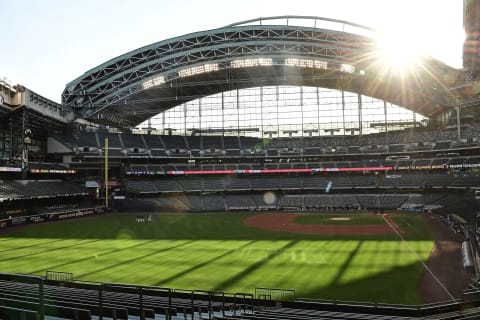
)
(285, 50)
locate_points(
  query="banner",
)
(267, 171)
(36, 218)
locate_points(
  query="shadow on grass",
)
(202, 264)
(245, 272)
(148, 255)
(138, 245)
(36, 244)
(344, 267)
(397, 286)
(48, 250)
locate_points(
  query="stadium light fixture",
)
(158, 80)
(306, 63)
(255, 62)
(209, 67)
(319, 64)
(265, 61)
(347, 68)
(153, 82)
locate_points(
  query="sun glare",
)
(400, 52)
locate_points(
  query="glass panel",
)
(281, 111)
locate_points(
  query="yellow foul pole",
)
(106, 173)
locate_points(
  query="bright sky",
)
(47, 43)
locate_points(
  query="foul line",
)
(419, 258)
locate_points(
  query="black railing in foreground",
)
(139, 291)
(243, 298)
(33, 280)
(275, 294)
(438, 308)
(38, 296)
(212, 297)
(59, 276)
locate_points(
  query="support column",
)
(12, 141)
(223, 113)
(200, 113)
(343, 111)
(278, 120)
(4, 143)
(106, 172)
(23, 144)
(163, 121)
(459, 133)
(184, 118)
(386, 119)
(301, 105)
(261, 110)
(360, 115)
(238, 112)
(318, 110)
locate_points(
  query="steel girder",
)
(110, 84)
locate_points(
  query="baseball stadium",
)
(274, 168)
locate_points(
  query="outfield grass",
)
(217, 251)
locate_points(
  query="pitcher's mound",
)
(340, 219)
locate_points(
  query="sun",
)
(400, 50)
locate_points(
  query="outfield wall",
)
(52, 216)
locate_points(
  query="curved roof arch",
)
(129, 89)
(306, 21)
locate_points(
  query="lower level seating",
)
(11, 313)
